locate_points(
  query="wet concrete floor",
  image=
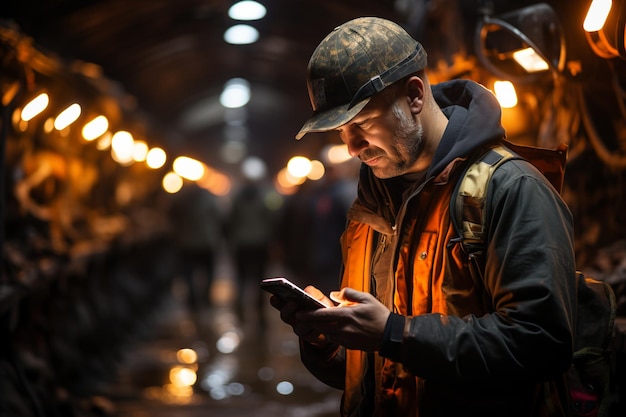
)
(214, 363)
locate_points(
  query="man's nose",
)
(354, 140)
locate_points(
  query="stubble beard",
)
(406, 147)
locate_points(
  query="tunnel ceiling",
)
(171, 61)
(170, 56)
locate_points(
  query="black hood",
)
(474, 121)
(474, 116)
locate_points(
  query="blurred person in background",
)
(198, 230)
(250, 231)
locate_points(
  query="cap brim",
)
(331, 119)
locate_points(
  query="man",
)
(413, 333)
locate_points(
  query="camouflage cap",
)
(354, 62)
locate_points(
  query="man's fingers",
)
(349, 296)
(276, 302)
(318, 295)
(288, 312)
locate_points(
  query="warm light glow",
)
(281, 179)
(286, 180)
(140, 151)
(188, 168)
(122, 146)
(67, 116)
(176, 394)
(505, 93)
(530, 60)
(35, 106)
(282, 183)
(299, 166)
(172, 183)
(338, 154)
(104, 142)
(596, 15)
(214, 182)
(223, 186)
(95, 128)
(317, 171)
(156, 158)
(48, 125)
(183, 376)
(187, 356)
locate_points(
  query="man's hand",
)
(358, 322)
(288, 314)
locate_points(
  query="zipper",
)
(399, 221)
(382, 241)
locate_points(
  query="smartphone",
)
(289, 291)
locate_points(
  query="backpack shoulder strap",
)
(467, 204)
(468, 201)
(467, 209)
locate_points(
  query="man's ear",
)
(415, 94)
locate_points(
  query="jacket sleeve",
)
(530, 282)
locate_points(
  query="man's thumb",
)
(348, 296)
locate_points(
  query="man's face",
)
(385, 137)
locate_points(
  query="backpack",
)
(589, 374)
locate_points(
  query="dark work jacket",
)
(494, 349)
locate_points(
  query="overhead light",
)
(317, 170)
(122, 146)
(156, 158)
(236, 93)
(241, 35)
(67, 116)
(35, 106)
(247, 10)
(530, 60)
(596, 15)
(299, 166)
(505, 93)
(188, 168)
(521, 44)
(172, 182)
(95, 128)
(140, 151)
(605, 28)
(253, 168)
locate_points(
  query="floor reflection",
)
(212, 362)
